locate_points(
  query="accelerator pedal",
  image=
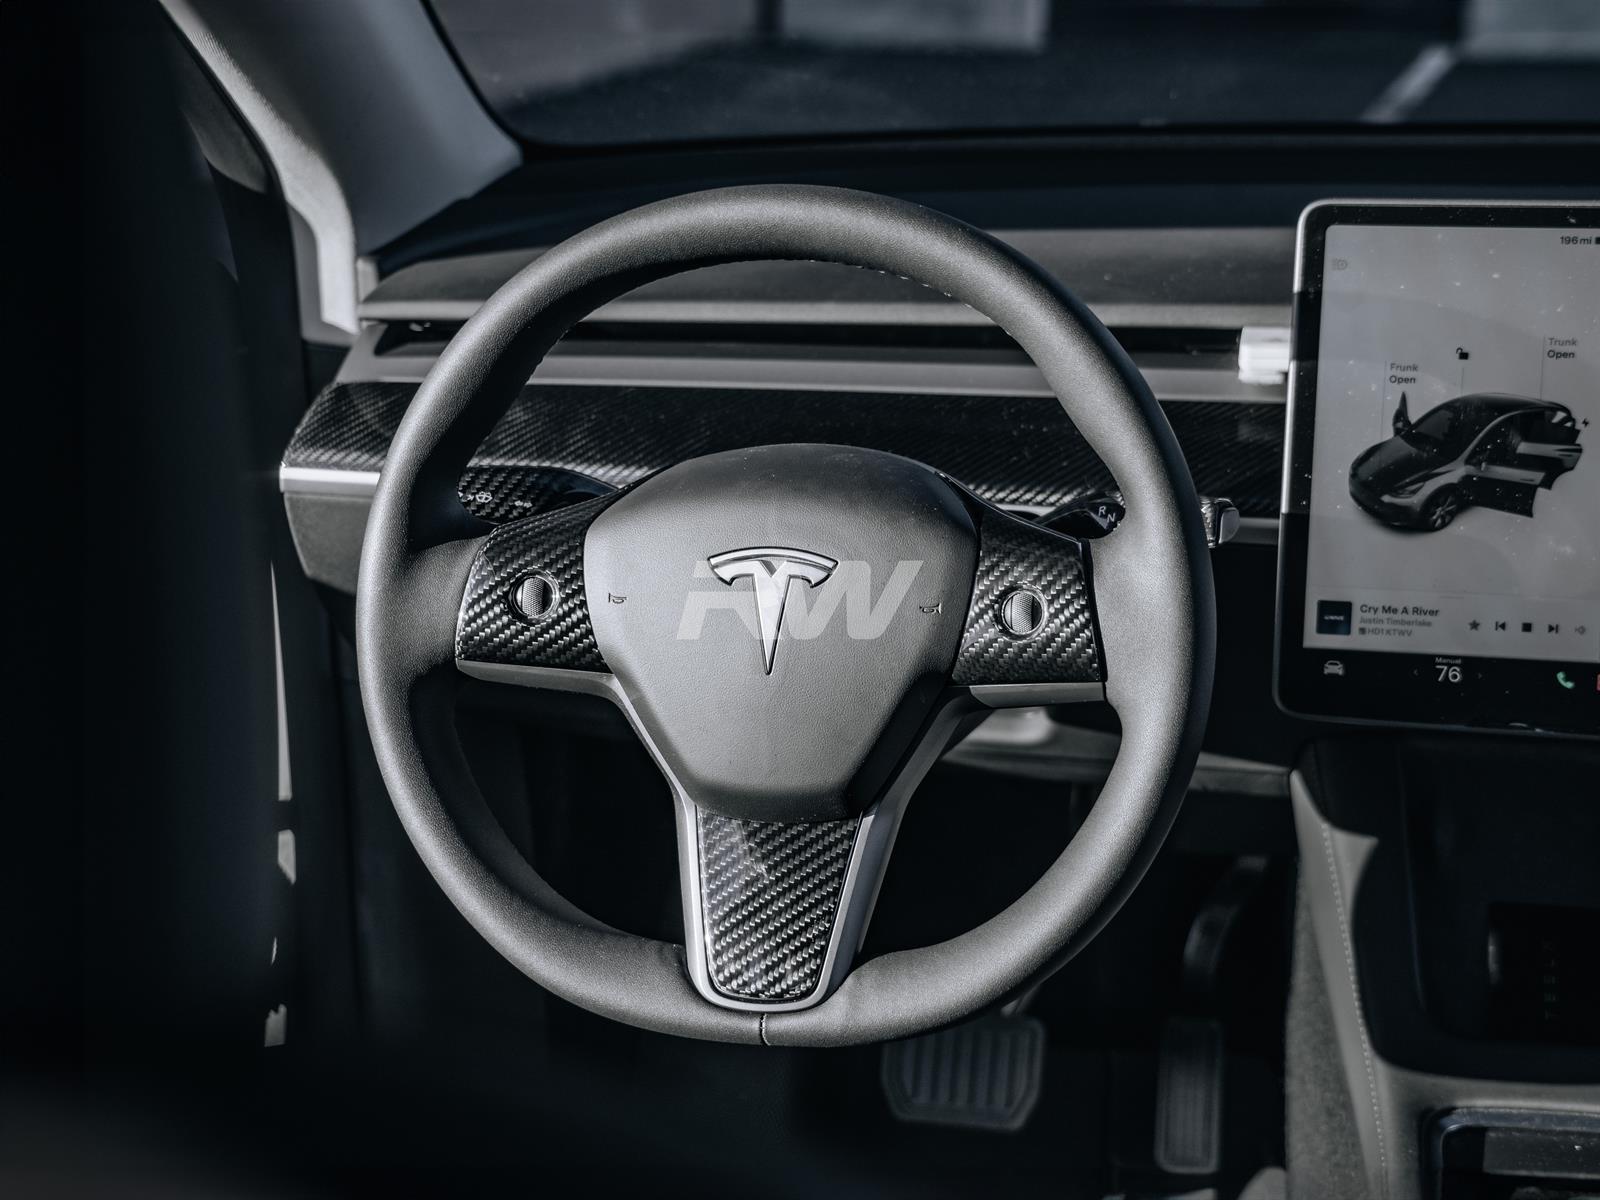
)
(984, 1074)
(1189, 1097)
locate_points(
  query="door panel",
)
(1494, 488)
(1550, 447)
(1494, 479)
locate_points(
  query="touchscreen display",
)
(1454, 490)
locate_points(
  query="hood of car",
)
(1391, 463)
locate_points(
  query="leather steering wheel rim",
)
(1152, 582)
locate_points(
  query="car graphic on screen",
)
(1487, 450)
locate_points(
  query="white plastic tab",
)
(1263, 354)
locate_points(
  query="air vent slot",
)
(1194, 346)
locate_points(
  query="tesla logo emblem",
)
(771, 570)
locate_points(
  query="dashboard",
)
(761, 353)
(1440, 554)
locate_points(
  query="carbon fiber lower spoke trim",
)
(491, 630)
(1018, 557)
(1013, 450)
(769, 901)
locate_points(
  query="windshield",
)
(1444, 433)
(613, 72)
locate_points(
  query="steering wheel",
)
(796, 633)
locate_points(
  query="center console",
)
(1445, 963)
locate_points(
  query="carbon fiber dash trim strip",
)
(769, 897)
(1014, 450)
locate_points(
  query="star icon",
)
(1472, 625)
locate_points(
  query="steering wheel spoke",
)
(774, 912)
(1031, 635)
(524, 617)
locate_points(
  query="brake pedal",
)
(985, 1074)
(1189, 1097)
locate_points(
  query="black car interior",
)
(763, 598)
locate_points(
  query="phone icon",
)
(1561, 678)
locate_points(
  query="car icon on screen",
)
(1484, 450)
